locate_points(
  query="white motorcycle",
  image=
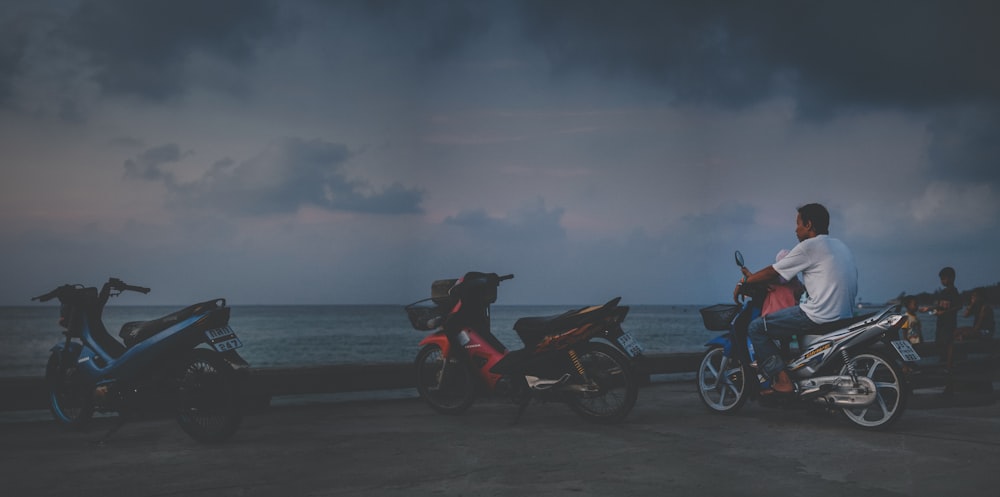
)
(853, 366)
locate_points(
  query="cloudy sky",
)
(339, 152)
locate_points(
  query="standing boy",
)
(912, 329)
(946, 309)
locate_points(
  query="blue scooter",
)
(185, 363)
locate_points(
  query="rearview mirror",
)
(739, 259)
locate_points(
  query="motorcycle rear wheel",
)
(445, 383)
(208, 403)
(722, 382)
(70, 400)
(893, 392)
(617, 385)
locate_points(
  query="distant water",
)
(283, 336)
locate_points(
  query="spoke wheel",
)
(446, 384)
(891, 396)
(208, 406)
(721, 381)
(613, 387)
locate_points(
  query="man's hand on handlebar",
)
(737, 292)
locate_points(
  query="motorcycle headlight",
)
(891, 322)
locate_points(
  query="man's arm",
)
(765, 275)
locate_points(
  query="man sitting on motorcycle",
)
(831, 281)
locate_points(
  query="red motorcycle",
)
(560, 359)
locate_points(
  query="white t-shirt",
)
(829, 275)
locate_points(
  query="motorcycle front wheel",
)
(445, 383)
(892, 392)
(611, 388)
(721, 381)
(208, 403)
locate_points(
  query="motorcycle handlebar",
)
(477, 280)
(112, 284)
(117, 284)
(53, 294)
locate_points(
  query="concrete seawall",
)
(29, 393)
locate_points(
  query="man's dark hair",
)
(907, 299)
(947, 271)
(818, 216)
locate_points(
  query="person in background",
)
(983, 321)
(912, 329)
(946, 309)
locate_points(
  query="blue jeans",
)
(779, 324)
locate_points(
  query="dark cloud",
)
(288, 176)
(827, 54)
(429, 31)
(931, 57)
(965, 144)
(141, 47)
(13, 42)
(148, 165)
(686, 48)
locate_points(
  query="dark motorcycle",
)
(560, 360)
(185, 363)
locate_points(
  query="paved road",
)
(669, 446)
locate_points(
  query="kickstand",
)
(521, 406)
(103, 442)
(524, 398)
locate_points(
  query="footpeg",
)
(536, 383)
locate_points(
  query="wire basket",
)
(719, 316)
(424, 317)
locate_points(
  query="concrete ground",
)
(669, 445)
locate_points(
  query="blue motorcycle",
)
(853, 366)
(184, 363)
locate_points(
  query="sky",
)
(349, 152)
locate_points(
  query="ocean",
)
(289, 336)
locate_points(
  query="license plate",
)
(217, 333)
(906, 350)
(223, 339)
(231, 344)
(631, 346)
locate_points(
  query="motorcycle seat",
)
(830, 327)
(531, 328)
(134, 332)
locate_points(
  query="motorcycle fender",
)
(439, 339)
(721, 341)
(235, 360)
(614, 333)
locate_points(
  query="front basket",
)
(424, 316)
(719, 316)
